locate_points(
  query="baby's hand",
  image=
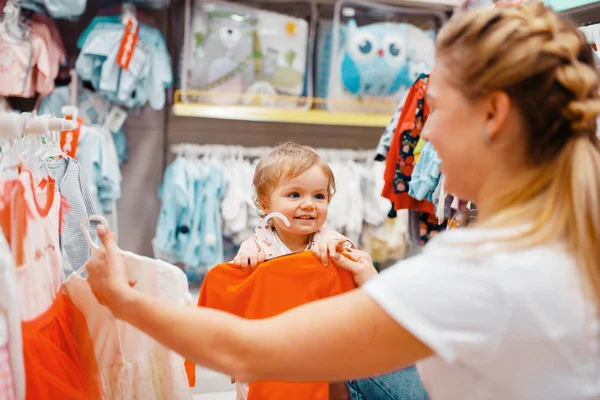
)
(249, 258)
(330, 247)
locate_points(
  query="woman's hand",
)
(358, 263)
(107, 275)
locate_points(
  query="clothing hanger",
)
(263, 226)
(54, 151)
(11, 24)
(84, 223)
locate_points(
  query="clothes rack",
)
(197, 150)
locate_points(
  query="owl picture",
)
(375, 59)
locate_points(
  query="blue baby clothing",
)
(149, 73)
(100, 167)
(189, 227)
(58, 9)
(426, 174)
(93, 109)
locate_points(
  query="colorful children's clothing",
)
(426, 175)
(67, 9)
(189, 225)
(12, 373)
(273, 287)
(132, 365)
(7, 384)
(400, 161)
(93, 109)
(149, 72)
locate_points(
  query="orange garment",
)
(274, 287)
(406, 122)
(59, 355)
(14, 212)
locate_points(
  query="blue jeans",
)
(400, 385)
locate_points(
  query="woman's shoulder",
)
(484, 243)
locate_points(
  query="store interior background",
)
(150, 134)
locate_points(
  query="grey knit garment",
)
(72, 186)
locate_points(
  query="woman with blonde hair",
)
(507, 309)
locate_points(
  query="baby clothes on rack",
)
(31, 59)
(66, 9)
(383, 147)
(148, 75)
(402, 167)
(73, 187)
(12, 370)
(400, 161)
(273, 287)
(56, 343)
(132, 365)
(189, 225)
(356, 204)
(93, 109)
(426, 175)
(39, 278)
(99, 162)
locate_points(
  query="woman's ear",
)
(497, 106)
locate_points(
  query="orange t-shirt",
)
(274, 287)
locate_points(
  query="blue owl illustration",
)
(375, 59)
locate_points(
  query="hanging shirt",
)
(275, 286)
(383, 147)
(65, 9)
(132, 365)
(55, 347)
(12, 372)
(149, 72)
(73, 186)
(426, 175)
(93, 108)
(39, 278)
(400, 160)
(21, 60)
(189, 225)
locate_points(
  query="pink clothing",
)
(272, 246)
(132, 365)
(26, 65)
(40, 278)
(47, 30)
(7, 385)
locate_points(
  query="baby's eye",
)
(320, 196)
(294, 195)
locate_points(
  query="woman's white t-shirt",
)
(503, 324)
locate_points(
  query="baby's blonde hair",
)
(546, 67)
(286, 161)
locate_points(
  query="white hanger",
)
(263, 226)
(54, 150)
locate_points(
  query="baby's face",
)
(303, 200)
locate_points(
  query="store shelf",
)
(570, 5)
(431, 4)
(426, 3)
(311, 117)
(580, 12)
